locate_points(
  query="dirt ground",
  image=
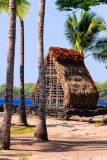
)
(68, 140)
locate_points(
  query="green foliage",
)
(100, 50)
(2, 90)
(67, 5)
(103, 94)
(102, 88)
(16, 92)
(98, 85)
(22, 9)
(29, 87)
(83, 34)
(104, 85)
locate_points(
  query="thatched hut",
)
(68, 82)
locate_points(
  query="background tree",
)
(16, 91)
(2, 90)
(102, 88)
(6, 124)
(28, 89)
(68, 5)
(41, 129)
(83, 35)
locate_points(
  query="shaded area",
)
(87, 112)
(58, 145)
(50, 147)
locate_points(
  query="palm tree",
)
(41, 130)
(83, 35)
(22, 115)
(6, 124)
(25, 10)
(22, 10)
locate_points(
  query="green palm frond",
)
(92, 27)
(79, 41)
(99, 50)
(101, 57)
(85, 20)
(74, 20)
(100, 45)
(83, 35)
(71, 27)
(22, 9)
(4, 5)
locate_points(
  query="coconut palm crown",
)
(22, 9)
(84, 35)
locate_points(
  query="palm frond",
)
(71, 27)
(85, 20)
(99, 46)
(79, 41)
(22, 9)
(100, 50)
(97, 25)
(101, 57)
(89, 27)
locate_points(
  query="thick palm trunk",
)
(41, 130)
(22, 115)
(6, 124)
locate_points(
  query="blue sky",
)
(53, 36)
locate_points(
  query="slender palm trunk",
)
(22, 115)
(41, 129)
(6, 124)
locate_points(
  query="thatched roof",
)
(63, 54)
(74, 81)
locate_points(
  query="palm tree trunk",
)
(6, 124)
(41, 129)
(82, 53)
(22, 115)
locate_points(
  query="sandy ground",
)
(68, 140)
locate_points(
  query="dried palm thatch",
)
(68, 82)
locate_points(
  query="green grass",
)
(24, 130)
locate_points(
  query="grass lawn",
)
(22, 130)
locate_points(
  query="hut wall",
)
(54, 90)
(78, 90)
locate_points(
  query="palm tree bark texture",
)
(41, 129)
(6, 124)
(22, 115)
